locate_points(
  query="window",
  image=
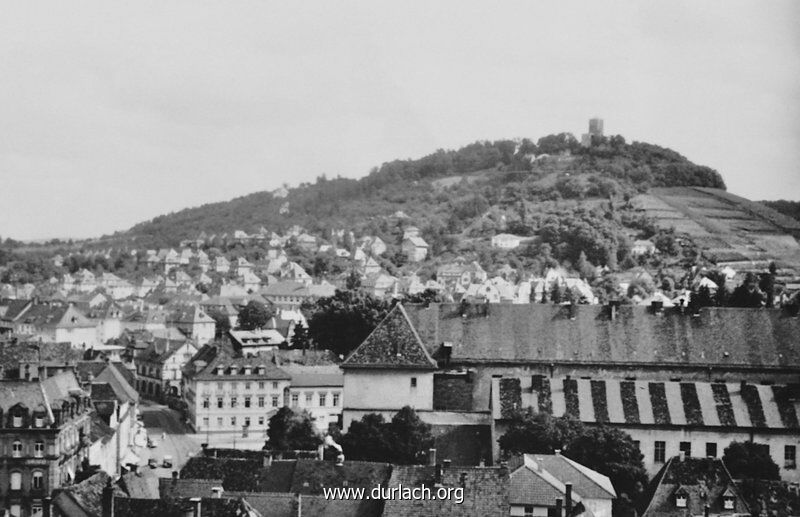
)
(15, 511)
(37, 480)
(260, 401)
(17, 421)
(335, 399)
(790, 457)
(38, 421)
(16, 449)
(680, 500)
(413, 382)
(233, 421)
(261, 420)
(36, 510)
(323, 399)
(38, 449)
(219, 386)
(206, 403)
(711, 450)
(309, 398)
(247, 402)
(247, 385)
(16, 481)
(219, 402)
(528, 511)
(728, 502)
(274, 385)
(295, 399)
(206, 423)
(247, 421)
(686, 449)
(261, 385)
(219, 422)
(637, 444)
(274, 401)
(233, 402)
(660, 454)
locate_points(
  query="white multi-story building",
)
(318, 390)
(231, 400)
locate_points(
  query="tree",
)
(556, 294)
(747, 294)
(405, 440)
(427, 296)
(611, 452)
(222, 324)
(300, 338)
(367, 439)
(290, 430)
(254, 315)
(541, 433)
(410, 437)
(341, 322)
(750, 460)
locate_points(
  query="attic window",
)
(262, 370)
(680, 501)
(728, 503)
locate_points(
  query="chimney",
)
(742, 385)
(559, 504)
(196, 506)
(706, 510)
(268, 459)
(46, 507)
(216, 492)
(107, 501)
(568, 497)
(503, 468)
(174, 478)
(431, 457)
(557, 452)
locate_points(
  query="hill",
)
(453, 188)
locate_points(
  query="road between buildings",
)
(174, 438)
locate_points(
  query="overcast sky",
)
(112, 113)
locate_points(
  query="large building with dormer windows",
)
(230, 400)
(44, 437)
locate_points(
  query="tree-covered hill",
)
(487, 178)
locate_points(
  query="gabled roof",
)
(704, 481)
(393, 344)
(485, 492)
(586, 483)
(526, 333)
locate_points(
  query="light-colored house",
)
(318, 390)
(254, 342)
(221, 264)
(642, 247)
(389, 370)
(159, 367)
(537, 480)
(506, 241)
(194, 323)
(230, 400)
(415, 249)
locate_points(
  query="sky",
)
(112, 113)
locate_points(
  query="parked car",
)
(167, 463)
(152, 463)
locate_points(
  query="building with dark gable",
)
(673, 379)
(44, 429)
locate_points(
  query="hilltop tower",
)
(595, 129)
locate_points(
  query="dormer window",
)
(728, 499)
(247, 371)
(16, 421)
(220, 370)
(262, 370)
(38, 421)
(681, 498)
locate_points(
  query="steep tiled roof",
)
(12, 354)
(168, 487)
(393, 344)
(704, 480)
(87, 495)
(485, 492)
(100, 430)
(730, 405)
(271, 371)
(307, 376)
(142, 484)
(528, 333)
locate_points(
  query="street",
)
(164, 427)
